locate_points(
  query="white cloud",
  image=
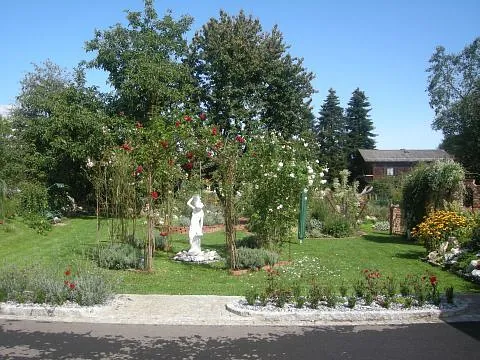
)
(5, 110)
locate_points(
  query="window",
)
(390, 171)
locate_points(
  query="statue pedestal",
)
(202, 257)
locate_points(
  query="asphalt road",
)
(21, 339)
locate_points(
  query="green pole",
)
(302, 215)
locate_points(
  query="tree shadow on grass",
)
(383, 238)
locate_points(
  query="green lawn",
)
(340, 260)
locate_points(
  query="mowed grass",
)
(340, 260)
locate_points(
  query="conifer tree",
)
(359, 129)
(331, 135)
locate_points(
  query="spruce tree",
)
(331, 135)
(359, 131)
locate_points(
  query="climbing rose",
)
(214, 131)
(240, 139)
(187, 118)
(139, 169)
(433, 280)
(154, 195)
(203, 116)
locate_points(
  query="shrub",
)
(351, 301)
(251, 296)
(431, 186)
(250, 241)
(381, 226)
(47, 287)
(255, 258)
(315, 228)
(118, 256)
(438, 227)
(337, 226)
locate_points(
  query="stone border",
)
(310, 315)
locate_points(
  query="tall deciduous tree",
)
(144, 62)
(331, 135)
(454, 89)
(248, 79)
(59, 123)
(359, 128)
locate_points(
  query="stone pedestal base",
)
(203, 257)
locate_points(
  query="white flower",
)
(322, 174)
(280, 164)
(326, 169)
(310, 182)
(270, 210)
(323, 181)
(279, 207)
(292, 175)
(256, 186)
(305, 144)
(90, 163)
(317, 161)
(309, 169)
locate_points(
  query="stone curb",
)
(349, 316)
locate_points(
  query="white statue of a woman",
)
(196, 224)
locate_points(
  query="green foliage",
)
(144, 62)
(278, 173)
(382, 226)
(42, 286)
(33, 206)
(388, 190)
(331, 135)
(337, 226)
(454, 90)
(247, 78)
(255, 258)
(359, 131)
(118, 256)
(431, 187)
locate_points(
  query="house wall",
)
(379, 170)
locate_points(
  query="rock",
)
(433, 256)
(443, 247)
(472, 266)
(476, 274)
(203, 257)
(56, 220)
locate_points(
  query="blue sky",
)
(382, 47)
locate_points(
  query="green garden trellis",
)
(302, 215)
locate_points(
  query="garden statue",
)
(196, 225)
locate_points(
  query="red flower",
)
(214, 131)
(126, 147)
(68, 272)
(188, 165)
(154, 195)
(189, 155)
(177, 123)
(187, 118)
(210, 154)
(433, 280)
(139, 125)
(71, 286)
(203, 116)
(163, 233)
(139, 169)
(164, 143)
(240, 139)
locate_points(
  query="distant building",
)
(381, 163)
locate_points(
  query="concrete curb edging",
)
(347, 316)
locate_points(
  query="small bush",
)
(381, 226)
(251, 241)
(351, 301)
(251, 296)
(46, 287)
(118, 256)
(337, 226)
(449, 294)
(255, 258)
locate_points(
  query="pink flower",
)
(187, 118)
